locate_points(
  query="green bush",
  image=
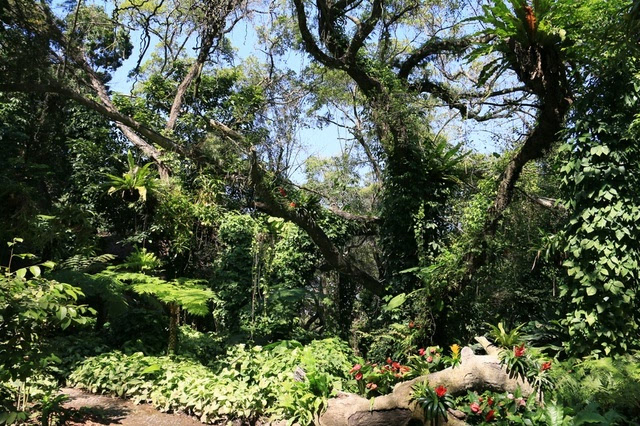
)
(611, 383)
(204, 347)
(284, 380)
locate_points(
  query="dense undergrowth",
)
(290, 381)
(284, 380)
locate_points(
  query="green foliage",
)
(189, 294)
(31, 309)
(73, 349)
(555, 414)
(601, 382)
(419, 181)
(378, 379)
(204, 347)
(515, 283)
(107, 44)
(395, 340)
(600, 241)
(283, 380)
(527, 364)
(499, 407)
(136, 179)
(504, 338)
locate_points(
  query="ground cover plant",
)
(284, 380)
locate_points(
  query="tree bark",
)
(174, 316)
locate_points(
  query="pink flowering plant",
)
(496, 408)
(426, 360)
(374, 379)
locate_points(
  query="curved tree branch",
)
(341, 263)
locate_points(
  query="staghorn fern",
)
(140, 179)
(510, 21)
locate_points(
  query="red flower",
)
(545, 366)
(395, 365)
(282, 192)
(490, 401)
(389, 360)
(292, 204)
(355, 368)
(490, 415)
(518, 351)
(475, 407)
(440, 391)
(359, 376)
(421, 351)
(372, 386)
(429, 358)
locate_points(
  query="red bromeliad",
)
(518, 351)
(441, 391)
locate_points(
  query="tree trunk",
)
(174, 316)
(475, 372)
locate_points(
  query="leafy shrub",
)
(72, 350)
(204, 347)
(31, 309)
(504, 338)
(396, 340)
(511, 408)
(283, 381)
(611, 383)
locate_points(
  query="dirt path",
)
(106, 410)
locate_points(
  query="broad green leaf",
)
(396, 302)
(35, 270)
